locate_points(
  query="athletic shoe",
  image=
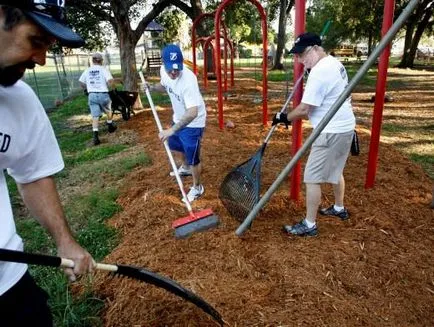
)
(194, 193)
(300, 229)
(182, 171)
(111, 127)
(331, 211)
(96, 140)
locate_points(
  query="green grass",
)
(89, 187)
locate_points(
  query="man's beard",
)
(11, 74)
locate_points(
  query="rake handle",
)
(166, 145)
(46, 260)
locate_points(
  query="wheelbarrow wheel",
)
(126, 114)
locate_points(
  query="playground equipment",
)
(202, 40)
(217, 54)
(385, 42)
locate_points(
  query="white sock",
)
(109, 121)
(337, 208)
(309, 224)
(95, 129)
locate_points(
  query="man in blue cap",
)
(30, 154)
(327, 80)
(189, 115)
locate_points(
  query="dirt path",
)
(374, 270)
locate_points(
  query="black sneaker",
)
(96, 140)
(300, 229)
(331, 211)
(111, 127)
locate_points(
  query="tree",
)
(285, 8)
(420, 21)
(119, 14)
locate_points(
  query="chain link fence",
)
(57, 80)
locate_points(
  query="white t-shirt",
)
(28, 151)
(184, 93)
(327, 80)
(96, 78)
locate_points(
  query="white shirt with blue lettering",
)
(96, 78)
(327, 80)
(28, 152)
(184, 93)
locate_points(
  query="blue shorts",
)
(99, 103)
(187, 140)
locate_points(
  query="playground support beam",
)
(217, 52)
(193, 36)
(297, 126)
(377, 116)
(329, 115)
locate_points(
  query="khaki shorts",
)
(327, 158)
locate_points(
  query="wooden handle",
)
(67, 263)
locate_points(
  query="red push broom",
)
(195, 221)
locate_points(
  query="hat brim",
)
(65, 35)
(298, 49)
(174, 65)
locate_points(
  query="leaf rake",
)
(141, 274)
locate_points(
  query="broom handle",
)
(166, 145)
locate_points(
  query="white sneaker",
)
(182, 171)
(194, 193)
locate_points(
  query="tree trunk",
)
(278, 59)
(127, 44)
(420, 23)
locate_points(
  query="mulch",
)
(376, 269)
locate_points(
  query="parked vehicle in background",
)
(344, 51)
(361, 49)
(423, 53)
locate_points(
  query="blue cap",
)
(172, 57)
(51, 17)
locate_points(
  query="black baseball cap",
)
(305, 40)
(50, 15)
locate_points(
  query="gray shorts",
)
(327, 158)
(99, 103)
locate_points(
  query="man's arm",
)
(83, 85)
(111, 84)
(300, 112)
(157, 87)
(189, 115)
(42, 199)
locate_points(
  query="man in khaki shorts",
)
(327, 80)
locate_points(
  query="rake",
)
(240, 189)
(195, 221)
(141, 274)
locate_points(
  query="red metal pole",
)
(297, 126)
(377, 116)
(264, 65)
(218, 59)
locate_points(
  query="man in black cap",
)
(327, 80)
(30, 154)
